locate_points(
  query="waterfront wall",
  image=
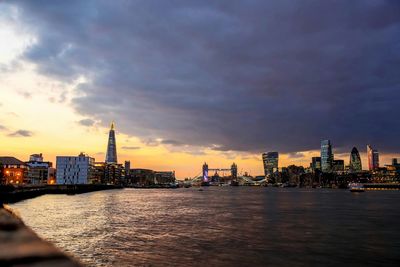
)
(20, 246)
(11, 194)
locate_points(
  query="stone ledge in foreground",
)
(20, 246)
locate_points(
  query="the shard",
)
(111, 156)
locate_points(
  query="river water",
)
(221, 226)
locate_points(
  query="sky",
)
(194, 81)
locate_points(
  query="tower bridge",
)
(206, 169)
(205, 178)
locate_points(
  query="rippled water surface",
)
(221, 226)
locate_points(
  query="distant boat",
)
(356, 187)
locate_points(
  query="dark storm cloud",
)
(21, 133)
(171, 142)
(230, 75)
(86, 122)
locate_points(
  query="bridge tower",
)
(234, 171)
(205, 172)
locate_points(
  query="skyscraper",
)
(373, 158)
(111, 156)
(316, 164)
(326, 156)
(338, 165)
(270, 160)
(355, 161)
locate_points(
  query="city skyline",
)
(218, 94)
(269, 160)
(195, 133)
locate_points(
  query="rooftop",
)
(10, 161)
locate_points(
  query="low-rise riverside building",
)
(13, 171)
(39, 171)
(164, 177)
(141, 177)
(146, 177)
(114, 173)
(75, 170)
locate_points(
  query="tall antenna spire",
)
(112, 125)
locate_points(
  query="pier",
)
(382, 186)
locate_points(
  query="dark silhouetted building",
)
(316, 164)
(338, 165)
(142, 177)
(114, 174)
(166, 177)
(127, 166)
(234, 171)
(99, 173)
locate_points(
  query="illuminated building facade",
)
(13, 171)
(75, 170)
(373, 158)
(270, 161)
(326, 156)
(355, 161)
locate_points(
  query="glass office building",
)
(270, 160)
(326, 156)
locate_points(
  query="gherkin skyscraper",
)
(111, 156)
(355, 161)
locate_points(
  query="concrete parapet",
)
(20, 246)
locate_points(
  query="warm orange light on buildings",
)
(14, 175)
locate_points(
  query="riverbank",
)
(20, 246)
(11, 194)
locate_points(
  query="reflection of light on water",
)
(178, 227)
